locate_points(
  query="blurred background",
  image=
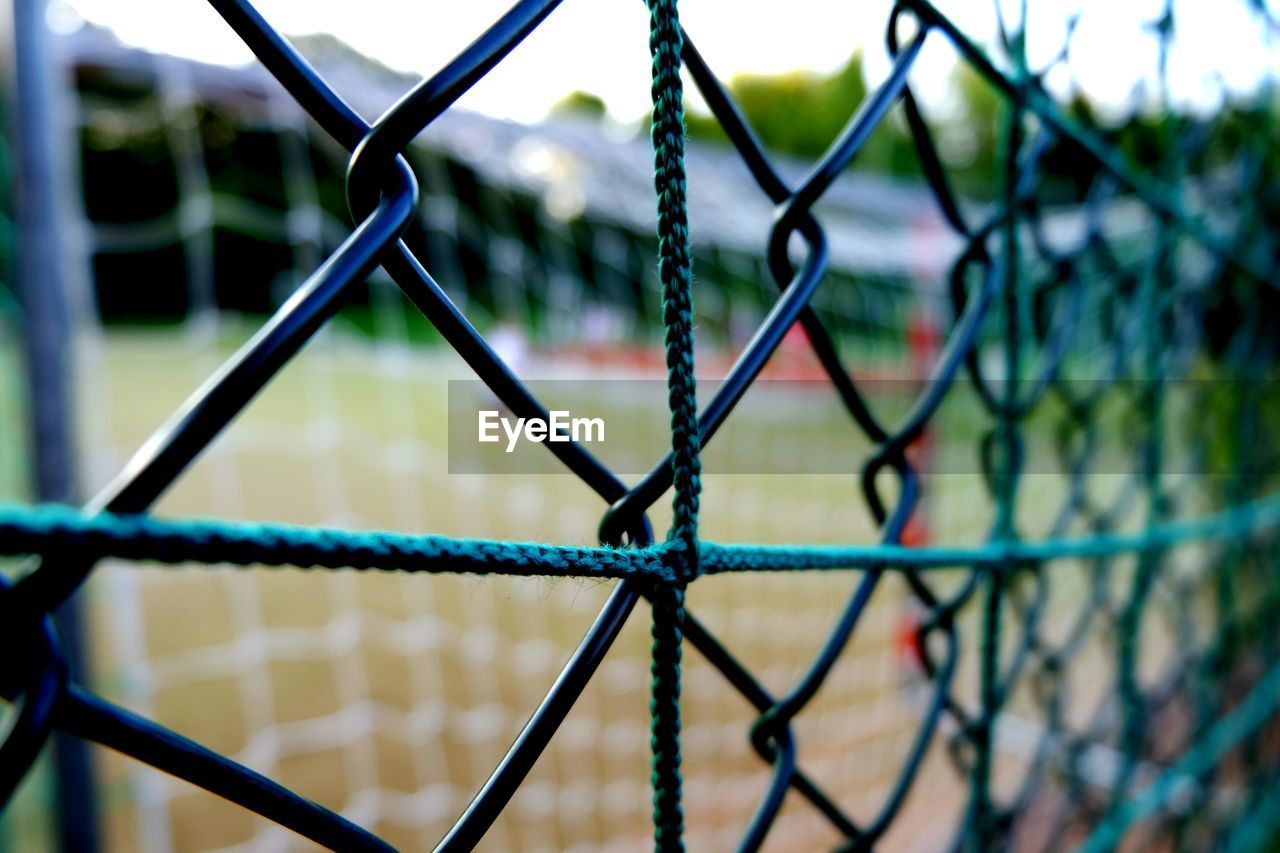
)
(191, 195)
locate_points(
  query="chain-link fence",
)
(1086, 644)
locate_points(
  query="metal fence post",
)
(42, 157)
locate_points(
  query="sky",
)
(601, 46)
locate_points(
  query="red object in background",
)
(796, 340)
(915, 533)
(908, 645)
(923, 343)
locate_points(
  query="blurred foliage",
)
(1222, 153)
(799, 113)
(580, 103)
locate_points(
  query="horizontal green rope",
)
(52, 528)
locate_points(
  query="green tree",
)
(801, 112)
(579, 103)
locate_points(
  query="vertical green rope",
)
(664, 708)
(665, 43)
(674, 270)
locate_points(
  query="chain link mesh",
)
(1166, 577)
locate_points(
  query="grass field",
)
(391, 697)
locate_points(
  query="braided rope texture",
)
(1007, 269)
(675, 273)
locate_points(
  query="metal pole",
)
(42, 159)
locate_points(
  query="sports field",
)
(391, 697)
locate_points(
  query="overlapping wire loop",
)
(1008, 267)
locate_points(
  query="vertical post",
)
(42, 159)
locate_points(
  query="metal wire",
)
(1008, 270)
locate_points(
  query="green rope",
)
(664, 709)
(67, 530)
(674, 271)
